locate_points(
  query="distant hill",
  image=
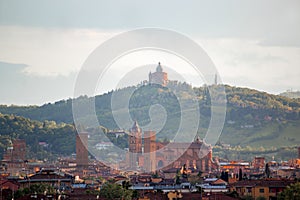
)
(291, 94)
(253, 118)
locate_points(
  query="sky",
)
(43, 44)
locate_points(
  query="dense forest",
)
(253, 118)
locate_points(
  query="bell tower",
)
(150, 151)
(135, 145)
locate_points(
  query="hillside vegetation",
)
(44, 139)
(253, 118)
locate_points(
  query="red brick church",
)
(150, 155)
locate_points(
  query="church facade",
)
(159, 76)
(149, 155)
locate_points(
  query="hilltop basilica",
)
(159, 76)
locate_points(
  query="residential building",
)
(267, 188)
(48, 176)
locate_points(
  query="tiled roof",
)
(264, 183)
(46, 175)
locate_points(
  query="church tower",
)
(216, 79)
(149, 151)
(135, 145)
(82, 159)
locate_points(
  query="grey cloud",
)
(19, 88)
(274, 22)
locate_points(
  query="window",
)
(272, 190)
(261, 190)
(249, 189)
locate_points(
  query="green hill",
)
(58, 139)
(253, 118)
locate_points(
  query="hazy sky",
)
(43, 44)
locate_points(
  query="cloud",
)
(273, 22)
(18, 88)
(52, 57)
(49, 51)
(248, 63)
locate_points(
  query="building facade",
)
(159, 76)
(267, 188)
(150, 155)
(194, 156)
(258, 164)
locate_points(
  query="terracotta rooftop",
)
(264, 183)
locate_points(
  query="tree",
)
(291, 192)
(223, 175)
(200, 173)
(267, 170)
(115, 191)
(126, 184)
(177, 178)
(35, 188)
(240, 174)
